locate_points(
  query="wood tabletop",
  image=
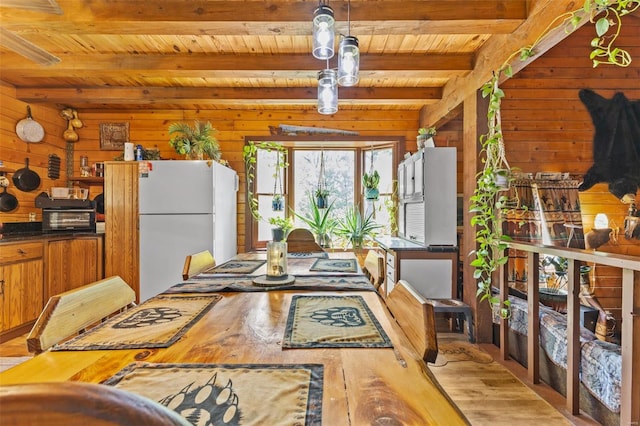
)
(361, 385)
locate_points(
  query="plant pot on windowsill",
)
(277, 234)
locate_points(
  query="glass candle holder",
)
(276, 259)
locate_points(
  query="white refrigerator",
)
(185, 207)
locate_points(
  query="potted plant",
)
(370, 183)
(195, 141)
(354, 230)
(281, 227)
(250, 156)
(322, 195)
(277, 203)
(424, 134)
(319, 222)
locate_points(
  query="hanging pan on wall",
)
(26, 179)
(29, 130)
(8, 201)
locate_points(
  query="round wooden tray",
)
(265, 281)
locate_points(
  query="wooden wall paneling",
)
(547, 128)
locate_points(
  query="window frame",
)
(361, 145)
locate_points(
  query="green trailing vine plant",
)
(489, 203)
(250, 157)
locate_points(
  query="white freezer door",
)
(165, 241)
(179, 186)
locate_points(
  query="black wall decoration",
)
(616, 144)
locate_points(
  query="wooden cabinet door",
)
(21, 293)
(72, 263)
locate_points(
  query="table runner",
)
(307, 254)
(236, 267)
(335, 265)
(230, 394)
(156, 323)
(214, 284)
(332, 322)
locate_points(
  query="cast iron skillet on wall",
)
(25, 179)
(8, 201)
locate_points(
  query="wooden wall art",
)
(113, 136)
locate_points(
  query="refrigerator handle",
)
(237, 183)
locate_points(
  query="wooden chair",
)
(416, 317)
(196, 263)
(374, 268)
(301, 240)
(79, 404)
(73, 311)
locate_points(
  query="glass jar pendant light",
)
(327, 92)
(348, 61)
(348, 56)
(323, 32)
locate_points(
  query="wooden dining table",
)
(361, 386)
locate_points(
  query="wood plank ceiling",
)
(125, 54)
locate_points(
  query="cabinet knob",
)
(1, 287)
(20, 251)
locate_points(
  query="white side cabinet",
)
(432, 273)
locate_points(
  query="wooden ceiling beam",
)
(212, 62)
(203, 17)
(152, 95)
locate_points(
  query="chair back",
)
(196, 263)
(71, 312)
(301, 240)
(79, 404)
(374, 268)
(416, 317)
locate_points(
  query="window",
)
(343, 168)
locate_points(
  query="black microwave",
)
(81, 220)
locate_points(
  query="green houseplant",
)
(370, 183)
(424, 134)
(281, 227)
(250, 157)
(319, 222)
(355, 229)
(195, 141)
(322, 198)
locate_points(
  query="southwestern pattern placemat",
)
(156, 323)
(236, 267)
(230, 394)
(335, 265)
(332, 322)
(245, 283)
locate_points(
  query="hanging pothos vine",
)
(489, 203)
(250, 156)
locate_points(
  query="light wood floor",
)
(489, 393)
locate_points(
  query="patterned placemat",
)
(156, 323)
(236, 267)
(230, 394)
(308, 255)
(245, 283)
(335, 265)
(332, 322)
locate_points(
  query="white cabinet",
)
(428, 210)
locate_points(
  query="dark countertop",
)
(32, 231)
(399, 244)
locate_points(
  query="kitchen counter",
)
(32, 231)
(399, 244)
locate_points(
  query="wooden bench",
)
(73, 311)
(416, 317)
(196, 263)
(374, 268)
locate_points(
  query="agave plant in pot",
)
(319, 222)
(355, 230)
